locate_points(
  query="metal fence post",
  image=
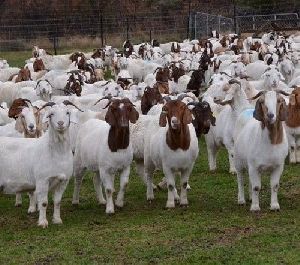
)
(101, 30)
(127, 28)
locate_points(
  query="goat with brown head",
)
(150, 98)
(38, 65)
(120, 112)
(178, 116)
(293, 119)
(28, 118)
(23, 75)
(271, 110)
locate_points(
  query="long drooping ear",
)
(187, 116)
(163, 118)
(283, 111)
(133, 115)
(293, 99)
(258, 112)
(19, 125)
(110, 118)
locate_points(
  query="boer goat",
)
(261, 146)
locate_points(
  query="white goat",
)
(44, 164)
(267, 151)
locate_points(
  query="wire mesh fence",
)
(64, 24)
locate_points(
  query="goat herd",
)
(59, 117)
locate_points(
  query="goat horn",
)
(257, 95)
(282, 92)
(234, 81)
(107, 97)
(223, 102)
(67, 102)
(224, 73)
(48, 104)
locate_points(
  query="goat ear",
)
(19, 126)
(187, 116)
(258, 112)
(133, 115)
(283, 111)
(163, 119)
(109, 118)
(293, 99)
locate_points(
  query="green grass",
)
(212, 230)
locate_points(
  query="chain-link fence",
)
(64, 24)
(202, 24)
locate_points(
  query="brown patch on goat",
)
(38, 65)
(178, 138)
(150, 98)
(275, 129)
(255, 47)
(293, 119)
(194, 84)
(23, 75)
(118, 118)
(177, 72)
(128, 48)
(16, 107)
(98, 53)
(74, 56)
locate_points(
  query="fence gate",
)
(201, 25)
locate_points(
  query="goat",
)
(292, 126)
(105, 148)
(172, 148)
(54, 166)
(268, 148)
(150, 98)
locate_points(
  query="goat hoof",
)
(75, 203)
(170, 205)
(275, 207)
(241, 202)
(31, 210)
(110, 211)
(57, 221)
(255, 208)
(102, 202)
(43, 223)
(119, 204)
(18, 204)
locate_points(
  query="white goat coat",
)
(92, 150)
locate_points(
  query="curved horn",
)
(67, 102)
(48, 104)
(234, 81)
(107, 97)
(282, 92)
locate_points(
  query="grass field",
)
(212, 230)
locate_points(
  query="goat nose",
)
(31, 126)
(60, 123)
(270, 115)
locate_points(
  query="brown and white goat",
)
(262, 146)
(150, 98)
(104, 147)
(293, 126)
(171, 146)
